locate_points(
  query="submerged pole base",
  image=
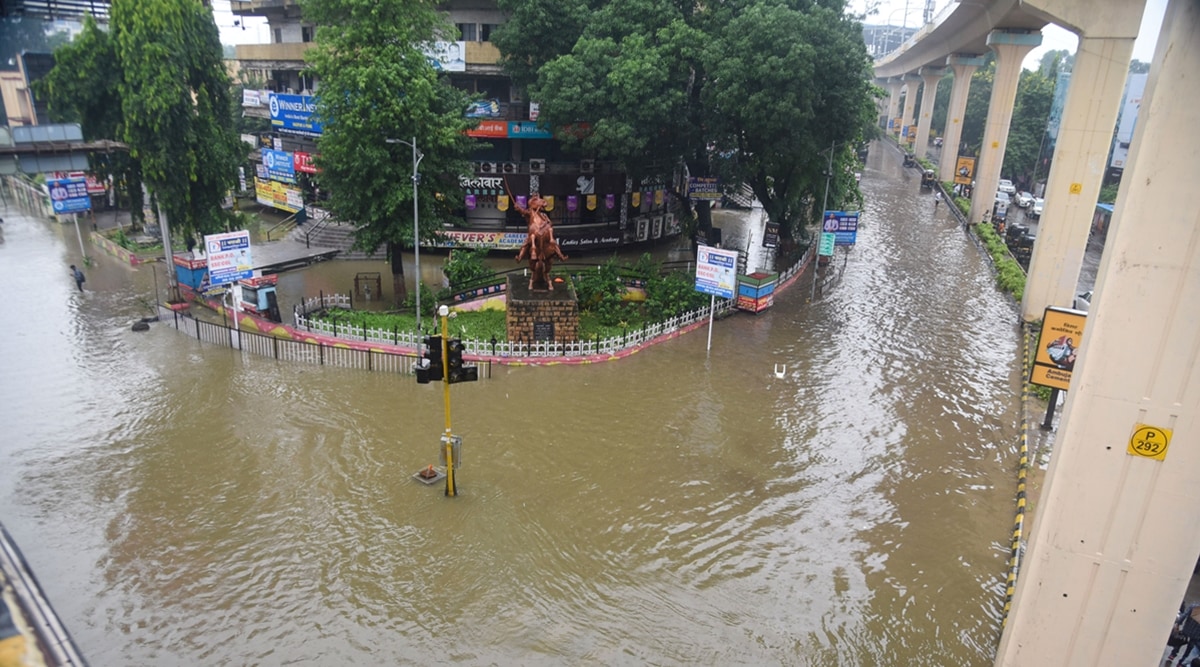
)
(429, 476)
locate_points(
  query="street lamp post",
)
(417, 156)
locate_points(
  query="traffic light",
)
(458, 372)
(429, 367)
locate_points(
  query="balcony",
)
(253, 7)
(275, 52)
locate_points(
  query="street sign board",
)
(844, 224)
(716, 271)
(228, 257)
(69, 195)
(1057, 346)
(827, 243)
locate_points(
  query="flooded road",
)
(185, 504)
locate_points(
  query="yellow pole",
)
(444, 312)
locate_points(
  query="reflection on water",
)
(184, 504)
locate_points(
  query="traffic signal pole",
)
(447, 440)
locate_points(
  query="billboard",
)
(716, 271)
(964, 170)
(228, 257)
(69, 195)
(1057, 347)
(294, 113)
(280, 165)
(843, 225)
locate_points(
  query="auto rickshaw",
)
(909, 160)
(928, 179)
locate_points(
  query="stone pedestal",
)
(539, 316)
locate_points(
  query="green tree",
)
(175, 103)
(751, 90)
(1031, 113)
(378, 84)
(84, 87)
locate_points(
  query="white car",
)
(1037, 206)
(1083, 301)
(1024, 199)
(1006, 186)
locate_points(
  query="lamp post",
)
(824, 203)
(417, 156)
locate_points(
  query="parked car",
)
(1006, 186)
(1036, 209)
(1083, 301)
(1024, 199)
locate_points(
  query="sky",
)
(893, 12)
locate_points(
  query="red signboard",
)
(496, 129)
(303, 162)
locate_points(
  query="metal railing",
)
(291, 219)
(299, 351)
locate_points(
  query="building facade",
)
(593, 204)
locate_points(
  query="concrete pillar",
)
(895, 84)
(910, 103)
(963, 66)
(1084, 139)
(1011, 47)
(1115, 538)
(930, 76)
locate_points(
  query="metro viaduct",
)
(1116, 536)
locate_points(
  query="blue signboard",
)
(844, 224)
(69, 195)
(716, 271)
(294, 113)
(280, 165)
(526, 129)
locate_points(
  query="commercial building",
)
(593, 204)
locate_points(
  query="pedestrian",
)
(78, 276)
(937, 199)
(191, 246)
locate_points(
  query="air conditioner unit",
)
(509, 167)
(537, 166)
(586, 166)
(487, 167)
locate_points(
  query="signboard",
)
(827, 242)
(964, 170)
(447, 56)
(704, 188)
(771, 235)
(251, 98)
(294, 113)
(228, 257)
(303, 162)
(278, 195)
(844, 226)
(69, 195)
(1057, 347)
(280, 166)
(1149, 442)
(716, 271)
(512, 129)
(514, 240)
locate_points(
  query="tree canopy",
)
(376, 84)
(752, 90)
(175, 100)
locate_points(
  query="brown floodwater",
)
(188, 504)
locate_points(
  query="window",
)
(488, 29)
(279, 35)
(306, 33)
(468, 31)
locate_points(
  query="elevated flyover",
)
(1114, 540)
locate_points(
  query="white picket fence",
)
(605, 346)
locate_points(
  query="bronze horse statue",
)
(539, 246)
